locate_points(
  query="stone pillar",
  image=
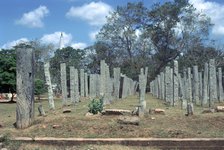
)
(221, 94)
(117, 74)
(92, 86)
(189, 85)
(172, 89)
(162, 86)
(72, 84)
(124, 87)
(205, 86)
(175, 84)
(76, 86)
(185, 86)
(212, 83)
(200, 87)
(196, 86)
(49, 85)
(86, 85)
(102, 77)
(182, 92)
(107, 94)
(168, 91)
(97, 85)
(82, 82)
(64, 84)
(24, 87)
(142, 87)
(159, 86)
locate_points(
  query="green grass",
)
(75, 124)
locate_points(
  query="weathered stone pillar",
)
(102, 77)
(64, 84)
(24, 87)
(212, 83)
(175, 84)
(189, 85)
(86, 85)
(162, 86)
(182, 92)
(185, 85)
(221, 94)
(49, 85)
(92, 86)
(168, 86)
(124, 87)
(172, 90)
(107, 95)
(82, 82)
(142, 87)
(117, 74)
(200, 87)
(196, 86)
(97, 85)
(159, 86)
(76, 86)
(205, 85)
(72, 84)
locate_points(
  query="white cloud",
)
(79, 45)
(94, 13)
(11, 44)
(54, 38)
(92, 35)
(215, 11)
(33, 19)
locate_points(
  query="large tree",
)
(8, 71)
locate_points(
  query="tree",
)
(8, 71)
(68, 55)
(122, 32)
(175, 28)
(39, 87)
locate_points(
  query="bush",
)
(96, 106)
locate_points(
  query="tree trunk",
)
(25, 87)
(49, 85)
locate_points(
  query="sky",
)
(78, 20)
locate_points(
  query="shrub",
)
(96, 105)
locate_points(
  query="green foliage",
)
(96, 106)
(8, 71)
(39, 87)
(68, 55)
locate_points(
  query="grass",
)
(75, 124)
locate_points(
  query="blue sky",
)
(79, 20)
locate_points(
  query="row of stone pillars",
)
(202, 88)
(96, 85)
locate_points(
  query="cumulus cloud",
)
(11, 44)
(34, 19)
(79, 45)
(215, 11)
(54, 39)
(94, 13)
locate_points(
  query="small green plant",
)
(96, 105)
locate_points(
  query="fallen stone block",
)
(116, 112)
(205, 111)
(67, 111)
(157, 111)
(220, 108)
(132, 120)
